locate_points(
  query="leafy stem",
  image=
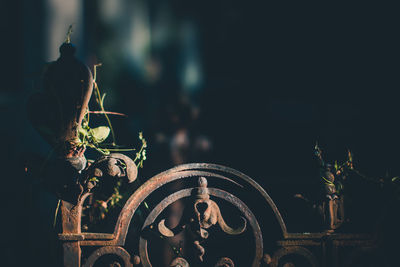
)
(141, 155)
(100, 101)
(69, 33)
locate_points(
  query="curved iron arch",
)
(182, 172)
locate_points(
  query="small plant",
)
(94, 138)
(347, 167)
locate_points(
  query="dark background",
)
(274, 79)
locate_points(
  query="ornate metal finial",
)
(202, 190)
(206, 214)
(202, 182)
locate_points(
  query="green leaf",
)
(82, 133)
(94, 179)
(99, 134)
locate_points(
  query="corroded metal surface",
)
(113, 165)
(225, 262)
(206, 214)
(182, 172)
(179, 262)
(304, 253)
(213, 192)
(123, 257)
(206, 217)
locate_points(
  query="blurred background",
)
(248, 85)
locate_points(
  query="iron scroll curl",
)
(183, 172)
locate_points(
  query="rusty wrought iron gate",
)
(227, 220)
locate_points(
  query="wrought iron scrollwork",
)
(203, 223)
(205, 217)
(304, 254)
(225, 262)
(123, 257)
(204, 214)
(179, 262)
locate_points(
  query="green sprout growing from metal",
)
(94, 137)
(69, 33)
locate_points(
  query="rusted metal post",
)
(71, 224)
(72, 254)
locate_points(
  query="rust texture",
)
(225, 262)
(204, 218)
(124, 259)
(179, 262)
(196, 226)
